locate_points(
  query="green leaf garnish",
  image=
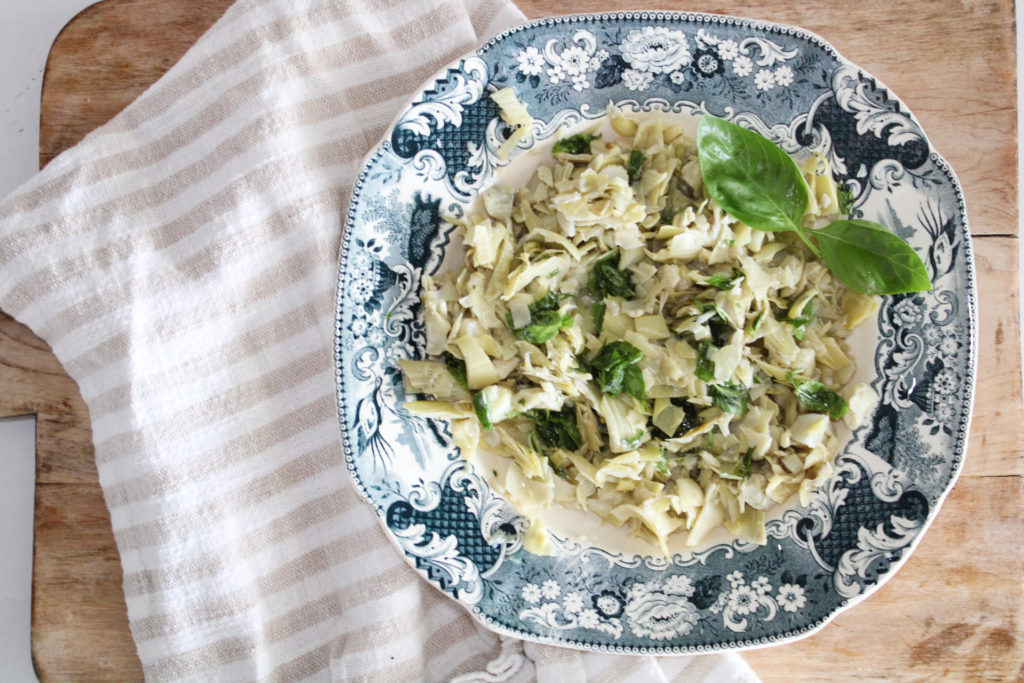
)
(543, 327)
(614, 369)
(548, 302)
(633, 382)
(870, 259)
(457, 367)
(730, 398)
(574, 144)
(607, 280)
(545, 320)
(817, 397)
(750, 177)
(556, 429)
(597, 311)
(636, 164)
(743, 467)
(480, 406)
(799, 322)
(705, 366)
(754, 180)
(722, 281)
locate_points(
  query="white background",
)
(27, 29)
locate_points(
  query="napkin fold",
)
(181, 262)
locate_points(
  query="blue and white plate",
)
(596, 592)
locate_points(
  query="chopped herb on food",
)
(575, 144)
(607, 280)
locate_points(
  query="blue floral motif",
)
(442, 514)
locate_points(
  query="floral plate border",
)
(822, 558)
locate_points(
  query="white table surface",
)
(27, 29)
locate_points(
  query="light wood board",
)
(953, 612)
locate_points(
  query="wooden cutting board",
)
(953, 612)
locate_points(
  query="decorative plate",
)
(443, 515)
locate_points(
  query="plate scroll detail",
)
(821, 558)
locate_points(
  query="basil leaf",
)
(730, 398)
(548, 302)
(636, 164)
(556, 429)
(705, 366)
(609, 366)
(480, 406)
(457, 367)
(597, 312)
(799, 322)
(607, 280)
(750, 177)
(870, 259)
(722, 281)
(690, 420)
(743, 467)
(574, 144)
(544, 325)
(818, 397)
(633, 382)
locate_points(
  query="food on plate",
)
(647, 338)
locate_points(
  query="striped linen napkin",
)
(181, 261)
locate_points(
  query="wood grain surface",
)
(953, 612)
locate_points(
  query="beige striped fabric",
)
(181, 262)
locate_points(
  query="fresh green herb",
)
(846, 200)
(615, 370)
(574, 144)
(480, 406)
(818, 397)
(636, 164)
(754, 326)
(730, 398)
(730, 242)
(558, 471)
(495, 473)
(556, 428)
(705, 366)
(636, 439)
(754, 180)
(607, 280)
(544, 325)
(750, 177)
(535, 443)
(722, 281)
(720, 328)
(663, 463)
(545, 320)
(597, 311)
(870, 259)
(743, 467)
(799, 323)
(633, 383)
(457, 367)
(548, 302)
(690, 420)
